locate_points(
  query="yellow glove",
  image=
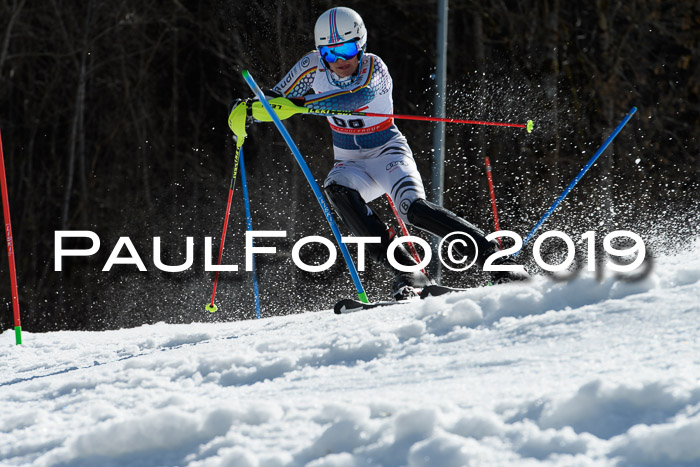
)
(283, 107)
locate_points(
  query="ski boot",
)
(503, 277)
(364, 222)
(409, 285)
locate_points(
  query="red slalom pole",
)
(10, 248)
(493, 198)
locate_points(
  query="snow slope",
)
(584, 372)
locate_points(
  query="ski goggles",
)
(344, 51)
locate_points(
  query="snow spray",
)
(578, 177)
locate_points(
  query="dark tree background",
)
(113, 119)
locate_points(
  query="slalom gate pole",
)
(578, 177)
(249, 224)
(286, 108)
(314, 186)
(10, 248)
(211, 307)
(493, 199)
(404, 231)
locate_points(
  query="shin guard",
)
(363, 222)
(441, 222)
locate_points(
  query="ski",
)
(350, 305)
(436, 290)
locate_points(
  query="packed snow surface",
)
(589, 371)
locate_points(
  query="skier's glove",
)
(240, 104)
(284, 107)
(244, 111)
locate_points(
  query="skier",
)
(372, 157)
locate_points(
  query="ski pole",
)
(314, 186)
(249, 224)
(404, 232)
(211, 307)
(237, 121)
(493, 199)
(10, 248)
(284, 108)
(578, 177)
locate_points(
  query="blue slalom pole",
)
(249, 223)
(578, 177)
(314, 186)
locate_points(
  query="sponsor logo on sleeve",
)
(395, 164)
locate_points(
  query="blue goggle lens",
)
(344, 51)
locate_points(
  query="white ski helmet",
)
(339, 25)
